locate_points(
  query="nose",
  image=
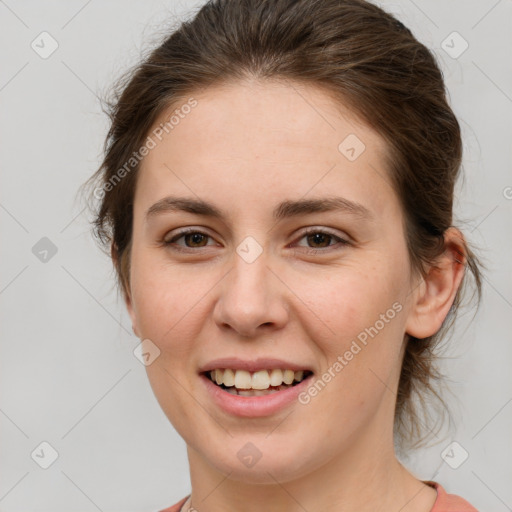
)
(252, 299)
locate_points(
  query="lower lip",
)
(254, 406)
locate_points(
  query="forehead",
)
(272, 137)
(267, 116)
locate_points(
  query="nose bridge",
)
(250, 295)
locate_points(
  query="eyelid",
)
(326, 231)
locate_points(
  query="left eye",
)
(199, 239)
(318, 236)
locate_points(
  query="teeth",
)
(228, 378)
(288, 376)
(260, 380)
(276, 378)
(242, 379)
(255, 392)
(252, 392)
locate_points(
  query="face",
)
(328, 291)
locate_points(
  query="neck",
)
(366, 477)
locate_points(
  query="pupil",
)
(317, 238)
(196, 237)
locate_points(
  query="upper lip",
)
(252, 365)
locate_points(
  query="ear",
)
(435, 294)
(126, 292)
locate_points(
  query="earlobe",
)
(126, 292)
(435, 294)
(131, 312)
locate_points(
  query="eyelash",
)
(310, 231)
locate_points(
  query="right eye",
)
(190, 235)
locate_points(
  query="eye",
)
(321, 238)
(196, 238)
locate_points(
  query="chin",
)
(265, 470)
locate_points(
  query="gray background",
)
(68, 374)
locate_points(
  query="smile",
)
(259, 383)
(248, 402)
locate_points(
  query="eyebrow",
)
(286, 209)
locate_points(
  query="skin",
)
(246, 147)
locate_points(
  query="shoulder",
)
(176, 507)
(446, 502)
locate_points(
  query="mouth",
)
(258, 383)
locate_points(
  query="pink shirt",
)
(444, 503)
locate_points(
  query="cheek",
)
(358, 317)
(168, 300)
(344, 301)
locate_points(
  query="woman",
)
(277, 194)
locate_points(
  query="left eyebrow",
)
(285, 209)
(288, 209)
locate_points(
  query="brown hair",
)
(371, 63)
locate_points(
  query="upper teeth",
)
(262, 379)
